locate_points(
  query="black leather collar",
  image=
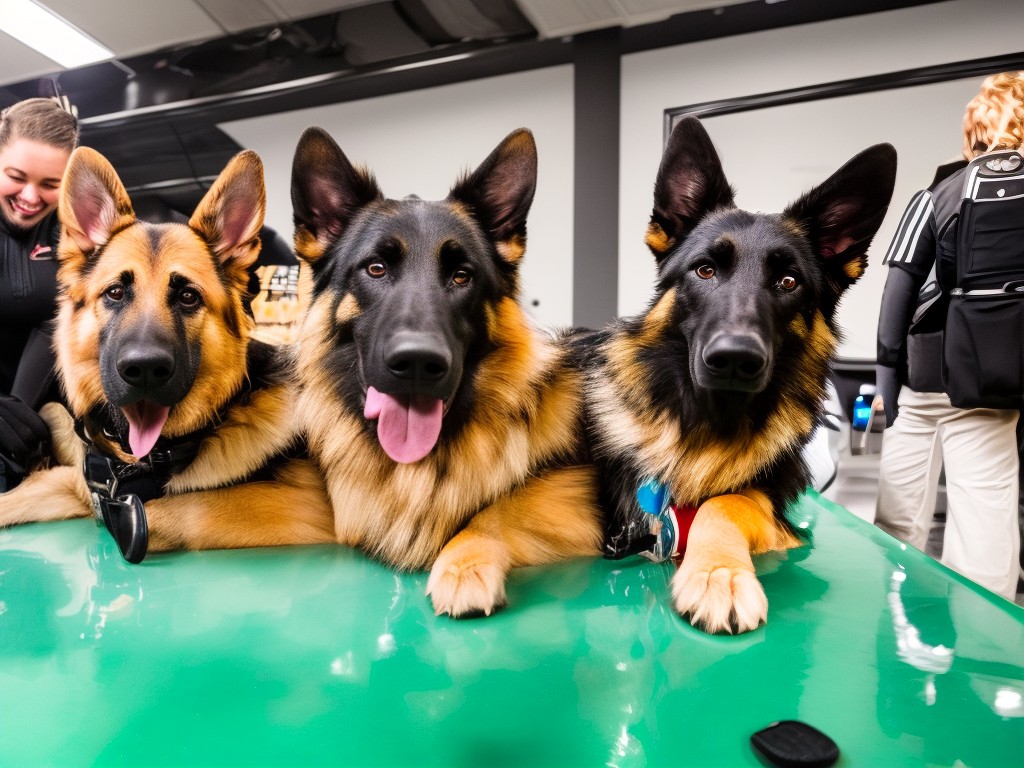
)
(120, 489)
(147, 477)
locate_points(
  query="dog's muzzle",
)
(420, 361)
(739, 362)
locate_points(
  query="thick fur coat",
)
(714, 390)
(153, 345)
(447, 427)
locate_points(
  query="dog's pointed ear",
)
(230, 215)
(327, 192)
(93, 204)
(500, 191)
(690, 184)
(841, 215)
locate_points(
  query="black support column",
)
(596, 179)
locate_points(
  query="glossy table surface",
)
(318, 656)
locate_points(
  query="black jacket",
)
(28, 302)
(913, 310)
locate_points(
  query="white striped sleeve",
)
(904, 242)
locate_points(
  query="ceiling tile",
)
(567, 17)
(239, 15)
(648, 11)
(139, 26)
(19, 62)
(302, 9)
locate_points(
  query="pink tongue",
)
(407, 426)
(145, 421)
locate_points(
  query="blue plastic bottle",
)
(862, 407)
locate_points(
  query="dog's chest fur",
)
(524, 416)
(689, 454)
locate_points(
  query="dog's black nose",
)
(739, 357)
(418, 357)
(146, 367)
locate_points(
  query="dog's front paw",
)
(467, 580)
(718, 597)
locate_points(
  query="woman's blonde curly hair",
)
(995, 117)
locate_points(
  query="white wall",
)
(419, 142)
(773, 155)
(798, 147)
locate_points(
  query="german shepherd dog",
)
(166, 388)
(714, 390)
(447, 427)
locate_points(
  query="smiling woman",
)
(31, 181)
(36, 139)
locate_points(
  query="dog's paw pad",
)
(720, 599)
(464, 591)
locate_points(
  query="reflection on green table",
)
(319, 656)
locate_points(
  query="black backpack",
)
(981, 255)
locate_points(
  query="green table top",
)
(318, 656)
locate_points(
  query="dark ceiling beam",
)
(445, 68)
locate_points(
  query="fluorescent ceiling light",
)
(42, 29)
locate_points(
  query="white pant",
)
(979, 449)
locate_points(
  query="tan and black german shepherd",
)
(714, 390)
(171, 398)
(446, 426)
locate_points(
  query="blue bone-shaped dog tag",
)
(653, 498)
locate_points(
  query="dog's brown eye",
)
(376, 269)
(114, 292)
(705, 271)
(188, 297)
(462, 277)
(788, 283)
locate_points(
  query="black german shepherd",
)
(446, 426)
(714, 390)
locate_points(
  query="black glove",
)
(24, 438)
(887, 386)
